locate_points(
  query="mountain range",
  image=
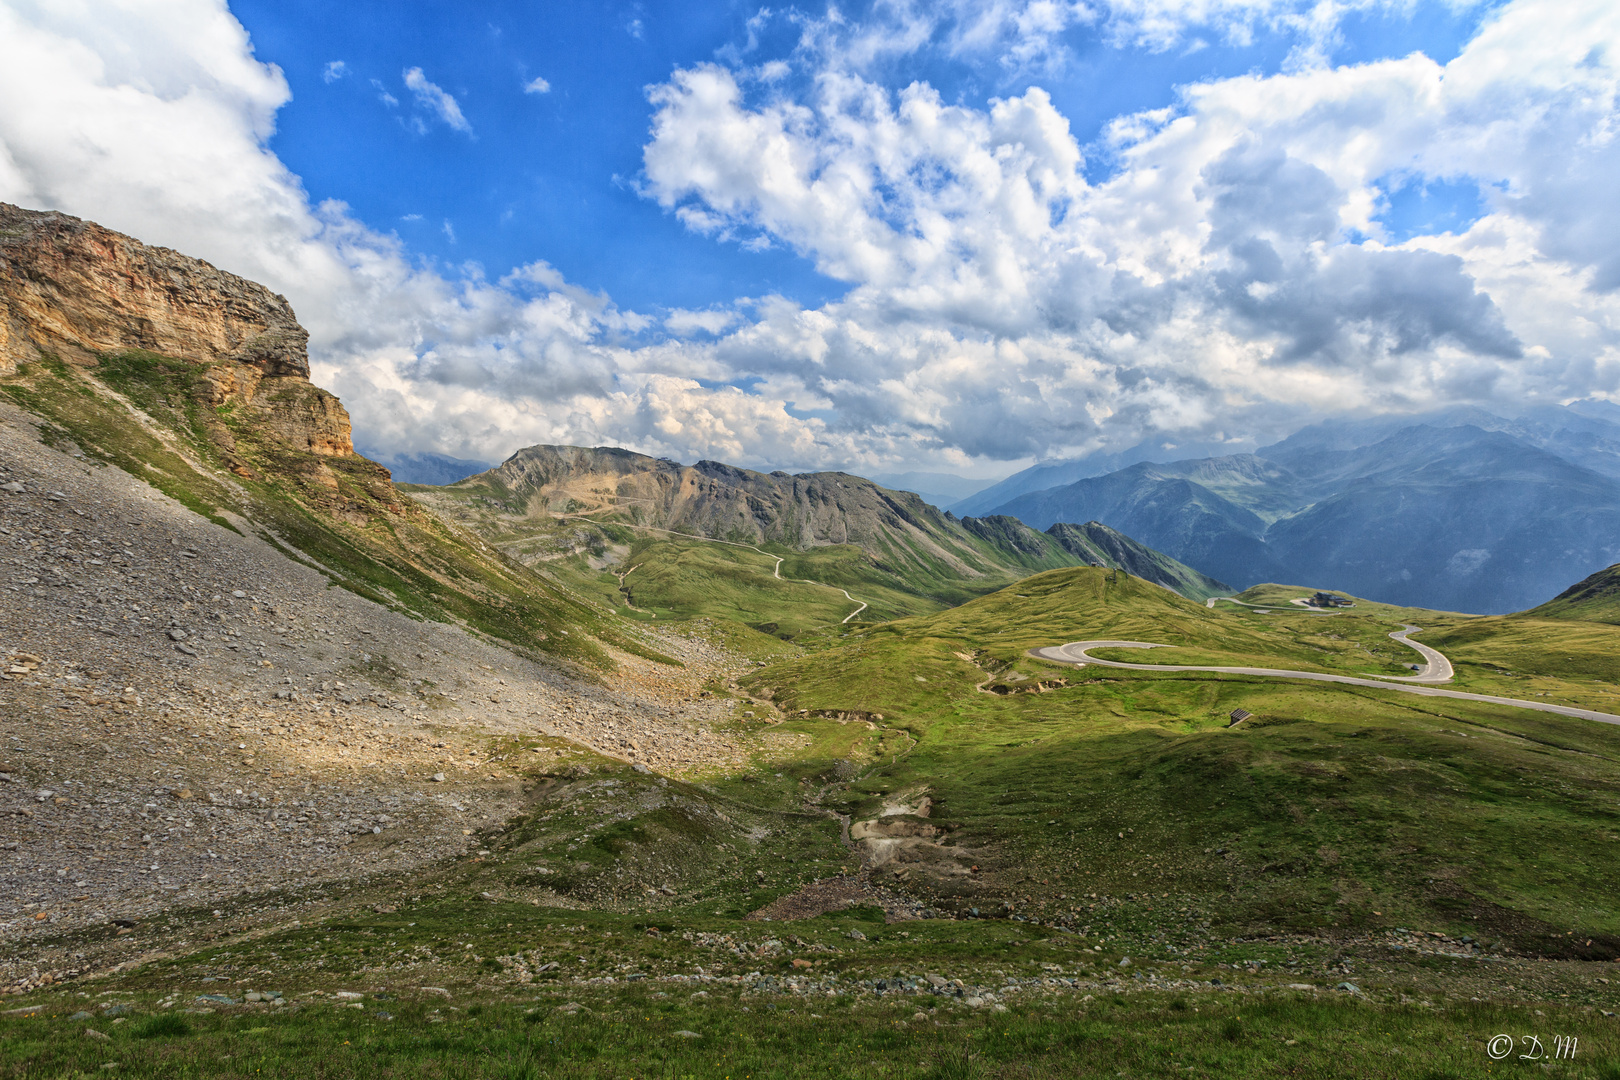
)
(904, 543)
(426, 468)
(1462, 510)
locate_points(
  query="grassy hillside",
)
(510, 966)
(1085, 828)
(673, 579)
(617, 526)
(647, 570)
(918, 547)
(1565, 662)
(1593, 599)
(149, 415)
(1336, 808)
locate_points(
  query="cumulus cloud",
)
(334, 70)
(537, 85)
(1232, 275)
(435, 100)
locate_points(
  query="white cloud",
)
(1220, 285)
(383, 95)
(334, 70)
(683, 322)
(1215, 270)
(537, 85)
(436, 100)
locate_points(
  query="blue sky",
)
(959, 236)
(540, 175)
(555, 175)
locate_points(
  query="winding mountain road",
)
(1437, 669)
(1266, 609)
(776, 571)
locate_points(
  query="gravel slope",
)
(186, 715)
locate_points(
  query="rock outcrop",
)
(78, 292)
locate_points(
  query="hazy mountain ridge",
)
(1052, 474)
(428, 468)
(942, 489)
(1454, 516)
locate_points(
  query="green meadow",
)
(1105, 879)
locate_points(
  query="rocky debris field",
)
(188, 715)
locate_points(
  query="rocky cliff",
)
(75, 291)
(196, 381)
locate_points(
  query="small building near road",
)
(1238, 716)
(1327, 599)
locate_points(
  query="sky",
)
(948, 236)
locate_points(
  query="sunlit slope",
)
(900, 559)
(685, 579)
(1534, 655)
(1098, 545)
(1335, 806)
(1282, 597)
(965, 644)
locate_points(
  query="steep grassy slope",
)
(151, 416)
(1593, 599)
(667, 578)
(1098, 545)
(1335, 808)
(197, 381)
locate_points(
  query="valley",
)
(597, 764)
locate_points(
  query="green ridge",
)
(1593, 599)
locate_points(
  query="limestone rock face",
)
(75, 290)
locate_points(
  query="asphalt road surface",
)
(1077, 653)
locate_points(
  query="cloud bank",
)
(1231, 276)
